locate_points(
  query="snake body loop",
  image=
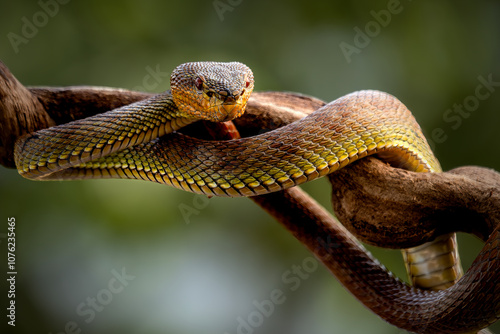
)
(137, 142)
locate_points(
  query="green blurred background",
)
(198, 274)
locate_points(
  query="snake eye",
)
(210, 93)
(198, 82)
(247, 84)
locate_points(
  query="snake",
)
(139, 141)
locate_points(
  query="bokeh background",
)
(200, 273)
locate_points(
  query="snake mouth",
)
(227, 111)
(219, 107)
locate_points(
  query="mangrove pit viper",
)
(135, 142)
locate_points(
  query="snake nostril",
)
(237, 94)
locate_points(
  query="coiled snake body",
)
(133, 142)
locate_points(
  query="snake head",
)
(216, 92)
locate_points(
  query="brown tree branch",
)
(395, 208)
(20, 113)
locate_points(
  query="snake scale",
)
(137, 141)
